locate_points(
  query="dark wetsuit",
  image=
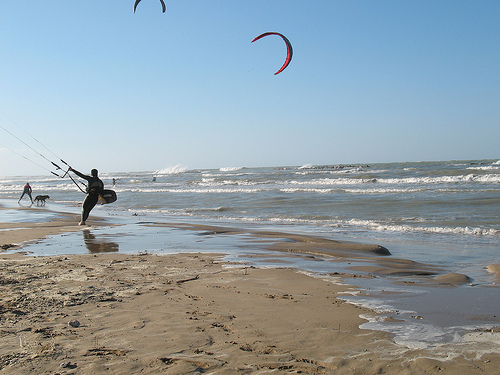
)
(94, 187)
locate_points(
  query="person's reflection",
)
(98, 246)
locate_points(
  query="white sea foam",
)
(213, 182)
(411, 335)
(306, 166)
(308, 190)
(230, 169)
(172, 170)
(351, 191)
(490, 178)
(304, 171)
(373, 225)
(193, 190)
(441, 179)
(378, 305)
(486, 167)
(446, 342)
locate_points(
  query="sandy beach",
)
(193, 313)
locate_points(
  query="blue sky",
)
(370, 81)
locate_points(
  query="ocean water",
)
(407, 207)
(445, 213)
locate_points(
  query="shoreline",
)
(19, 233)
(181, 313)
(373, 259)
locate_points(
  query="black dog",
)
(41, 199)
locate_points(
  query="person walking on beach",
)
(94, 187)
(27, 190)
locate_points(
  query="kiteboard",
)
(107, 196)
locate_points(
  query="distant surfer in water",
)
(94, 187)
(27, 190)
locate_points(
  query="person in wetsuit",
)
(94, 187)
(26, 190)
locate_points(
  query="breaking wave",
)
(172, 170)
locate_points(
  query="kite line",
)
(58, 168)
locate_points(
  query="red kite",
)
(289, 49)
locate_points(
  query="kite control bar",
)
(67, 173)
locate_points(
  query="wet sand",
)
(192, 313)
